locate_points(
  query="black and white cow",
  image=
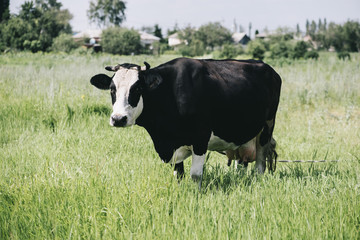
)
(189, 106)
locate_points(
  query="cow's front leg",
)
(178, 157)
(197, 166)
(179, 170)
(198, 156)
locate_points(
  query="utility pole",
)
(235, 26)
(250, 26)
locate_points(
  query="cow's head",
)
(127, 86)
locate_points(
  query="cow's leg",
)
(179, 170)
(260, 163)
(199, 149)
(265, 147)
(197, 166)
(179, 156)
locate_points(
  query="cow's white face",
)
(126, 97)
(126, 91)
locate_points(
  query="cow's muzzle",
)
(118, 121)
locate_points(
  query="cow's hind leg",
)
(265, 148)
(260, 162)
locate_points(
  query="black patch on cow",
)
(130, 65)
(135, 93)
(113, 92)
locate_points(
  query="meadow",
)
(66, 174)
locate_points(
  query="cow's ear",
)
(101, 81)
(152, 81)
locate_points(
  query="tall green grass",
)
(66, 174)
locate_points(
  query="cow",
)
(189, 106)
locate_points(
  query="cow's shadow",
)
(219, 178)
(227, 180)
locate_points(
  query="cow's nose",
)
(119, 121)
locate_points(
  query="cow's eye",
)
(112, 91)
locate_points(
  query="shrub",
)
(257, 49)
(196, 48)
(343, 55)
(258, 53)
(299, 50)
(228, 51)
(312, 55)
(64, 43)
(280, 50)
(121, 41)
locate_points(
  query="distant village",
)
(174, 41)
(147, 40)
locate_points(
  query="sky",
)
(262, 14)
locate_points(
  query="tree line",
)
(285, 43)
(345, 37)
(42, 25)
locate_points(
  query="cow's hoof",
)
(195, 177)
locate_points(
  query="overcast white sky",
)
(261, 13)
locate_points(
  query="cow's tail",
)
(271, 155)
(266, 138)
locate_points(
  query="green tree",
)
(47, 5)
(15, 32)
(312, 30)
(351, 36)
(107, 12)
(36, 26)
(120, 41)
(196, 48)
(298, 30)
(64, 43)
(187, 34)
(52, 23)
(343, 37)
(307, 27)
(174, 30)
(213, 34)
(157, 32)
(4, 10)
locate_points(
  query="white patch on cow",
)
(218, 144)
(124, 78)
(197, 165)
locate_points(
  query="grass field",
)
(66, 174)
